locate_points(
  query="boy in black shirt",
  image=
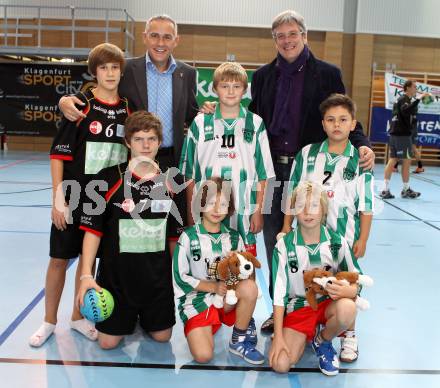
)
(79, 151)
(134, 232)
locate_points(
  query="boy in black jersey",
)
(79, 151)
(134, 232)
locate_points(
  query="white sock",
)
(387, 185)
(349, 333)
(86, 328)
(42, 334)
(405, 185)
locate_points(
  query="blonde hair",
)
(308, 188)
(230, 71)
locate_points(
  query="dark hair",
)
(408, 83)
(338, 100)
(105, 53)
(142, 121)
(206, 190)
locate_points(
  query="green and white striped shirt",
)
(291, 257)
(233, 149)
(195, 251)
(349, 187)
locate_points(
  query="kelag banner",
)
(428, 127)
(29, 95)
(394, 89)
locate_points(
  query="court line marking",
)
(23, 231)
(25, 183)
(212, 367)
(410, 214)
(42, 206)
(423, 179)
(20, 317)
(8, 165)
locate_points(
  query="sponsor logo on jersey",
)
(95, 127)
(348, 174)
(232, 155)
(128, 205)
(330, 193)
(63, 148)
(223, 155)
(311, 161)
(143, 235)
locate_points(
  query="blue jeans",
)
(273, 215)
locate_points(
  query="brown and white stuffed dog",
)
(231, 269)
(316, 280)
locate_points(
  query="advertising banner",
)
(29, 95)
(428, 127)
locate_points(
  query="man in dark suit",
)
(156, 82)
(287, 93)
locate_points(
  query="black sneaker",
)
(385, 194)
(267, 326)
(408, 193)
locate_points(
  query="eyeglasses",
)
(293, 35)
(156, 37)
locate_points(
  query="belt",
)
(283, 159)
(164, 151)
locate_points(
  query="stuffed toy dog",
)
(231, 269)
(316, 280)
(313, 287)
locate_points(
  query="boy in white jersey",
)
(198, 248)
(310, 245)
(335, 164)
(233, 145)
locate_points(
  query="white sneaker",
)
(349, 349)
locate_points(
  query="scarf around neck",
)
(289, 93)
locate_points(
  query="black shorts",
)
(157, 315)
(66, 244)
(400, 147)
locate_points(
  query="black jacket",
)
(133, 85)
(404, 116)
(320, 81)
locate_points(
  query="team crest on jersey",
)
(248, 135)
(348, 174)
(95, 127)
(334, 249)
(128, 205)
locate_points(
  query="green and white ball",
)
(98, 306)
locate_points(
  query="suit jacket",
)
(133, 85)
(320, 81)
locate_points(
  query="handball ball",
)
(98, 306)
(427, 99)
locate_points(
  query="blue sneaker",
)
(247, 351)
(327, 358)
(251, 333)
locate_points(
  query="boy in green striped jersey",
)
(232, 144)
(335, 164)
(310, 245)
(198, 248)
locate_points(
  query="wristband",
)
(82, 277)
